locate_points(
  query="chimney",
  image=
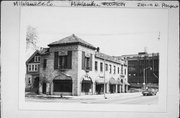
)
(97, 49)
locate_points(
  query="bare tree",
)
(31, 38)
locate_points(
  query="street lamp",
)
(144, 75)
(104, 80)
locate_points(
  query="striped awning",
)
(126, 83)
(100, 80)
(63, 76)
(119, 82)
(112, 81)
(86, 79)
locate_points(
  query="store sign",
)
(63, 53)
(87, 54)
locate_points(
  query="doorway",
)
(44, 88)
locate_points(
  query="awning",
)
(86, 79)
(119, 82)
(100, 80)
(63, 76)
(112, 81)
(126, 83)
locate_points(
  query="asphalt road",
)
(125, 98)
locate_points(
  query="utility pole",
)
(144, 75)
(104, 80)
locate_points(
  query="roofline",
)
(73, 43)
(32, 56)
(109, 60)
(138, 54)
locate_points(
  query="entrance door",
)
(100, 88)
(36, 84)
(118, 88)
(44, 88)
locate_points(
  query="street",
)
(120, 98)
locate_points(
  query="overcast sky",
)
(116, 31)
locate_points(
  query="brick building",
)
(137, 63)
(72, 66)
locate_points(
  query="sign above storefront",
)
(63, 53)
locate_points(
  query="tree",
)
(31, 38)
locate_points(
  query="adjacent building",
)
(72, 66)
(33, 71)
(143, 68)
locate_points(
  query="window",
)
(109, 68)
(118, 70)
(114, 69)
(121, 69)
(96, 65)
(125, 71)
(29, 81)
(29, 67)
(44, 63)
(101, 66)
(62, 60)
(33, 67)
(86, 61)
(106, 67)
(37, 59)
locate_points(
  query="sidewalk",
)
(108, 96)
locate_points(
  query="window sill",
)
(63, 69)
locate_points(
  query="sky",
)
(117, 31)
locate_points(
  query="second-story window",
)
(121, 69)
(33, 67)
(110, 68)
(63, 60)
(118, 70)
(106, 67)
(125, 71)
(86, 61)
(37, 59)
(114, 69)
(44, 63)
(101, 66)
(96, 65)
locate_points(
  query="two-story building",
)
(72, 66)
(32, 71)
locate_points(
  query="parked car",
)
(149, 91)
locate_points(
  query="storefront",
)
(126, 86)
(100, 83)
(86, 85)
(112, 85)
(62, 84)
(119, 86)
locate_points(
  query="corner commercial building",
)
(72, 66)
